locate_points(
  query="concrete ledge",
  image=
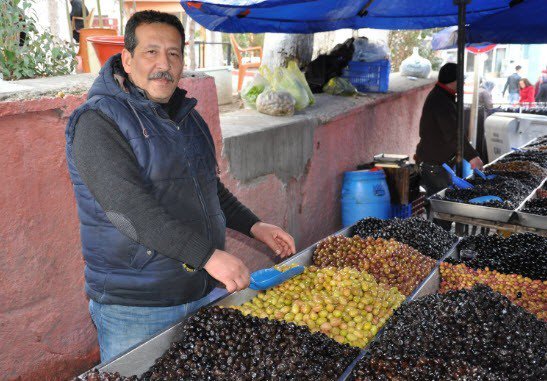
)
(28, 89)
(285, 144)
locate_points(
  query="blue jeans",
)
(121, 327)
(514, 98)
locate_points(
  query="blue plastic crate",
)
(401, 211)
(371, 77)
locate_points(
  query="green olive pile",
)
(347, 305)
(390, 262)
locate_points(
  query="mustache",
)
(162, 75)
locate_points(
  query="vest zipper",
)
(196, 185)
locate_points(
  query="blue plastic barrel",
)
(364, 194)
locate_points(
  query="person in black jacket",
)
(438, 133)
(512, 86)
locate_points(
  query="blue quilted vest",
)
(177, 164)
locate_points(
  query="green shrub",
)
(41, 55)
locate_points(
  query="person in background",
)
(541, 90)
(527, 92)
(542, 79)
(485, 97)
(77, 11)
(438, 135)
(512, 86)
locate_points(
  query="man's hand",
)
(277, 239)
(228, 270)
(476, 162)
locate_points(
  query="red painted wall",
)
(45, 329)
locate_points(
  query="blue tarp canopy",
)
(525, 23)
(310, 16)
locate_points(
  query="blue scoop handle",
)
(267, 278)
(460, 183)
(484, 199)
(483, 175)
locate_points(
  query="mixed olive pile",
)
(390, 262)
(477, 333)
(424, 236)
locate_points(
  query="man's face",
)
(157, 61)
(452, 85)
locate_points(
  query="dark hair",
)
(526, 82)
(149, 17)
(518, 67)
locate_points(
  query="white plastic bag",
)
(415, 66)
(276, 103)
(369, 51)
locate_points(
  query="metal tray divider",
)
(529, 219)
(429, 285)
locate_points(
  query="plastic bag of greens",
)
(266, 73)
(252, 90)
(295, 71)
(283, 80)
(273, 102)
(339, 86)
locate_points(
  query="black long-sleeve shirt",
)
(108, 167)
(438, 129)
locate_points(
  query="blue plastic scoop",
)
(482, 175)
(484, 199)
(457, 181)
(268, 278)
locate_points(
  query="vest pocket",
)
(142, 256)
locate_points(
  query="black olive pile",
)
(475, 330)
(537, 156)
(510, 189)
(222, 344)
(94, 375)
(524, 254)
(423, 369)
(424, 236)
(536, 206)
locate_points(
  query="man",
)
(153, 211)
(77, 11)
(438, 134)
(512, 86)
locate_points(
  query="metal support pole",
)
(477, 69)
(461, 55)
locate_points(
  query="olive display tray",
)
(477, 211)
(529, 219)
(138, 359)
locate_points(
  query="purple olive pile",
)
(424, 236)
(523, 254)
(478, 334)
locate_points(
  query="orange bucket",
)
(106, 46)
